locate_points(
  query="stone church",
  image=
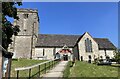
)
(29, 44)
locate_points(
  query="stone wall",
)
(48, 52)
(44, 52)
(28, 21)
(83, 53)
(22, 47)
(26, 39)
(76, 52)
(109, 53)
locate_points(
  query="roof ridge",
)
(60, 34)
(100, 38)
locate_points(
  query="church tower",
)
(24, 43)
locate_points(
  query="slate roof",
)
(50, 40)
(46, 40)
(104, 43)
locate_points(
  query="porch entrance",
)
(65, 57)
(64, 54)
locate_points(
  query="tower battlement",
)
(27, 10)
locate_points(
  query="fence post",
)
(52, 64)
(17, 74)
(45, 67)
(29, 73)
(39, 70)
(49, 65)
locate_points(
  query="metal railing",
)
(50, 63)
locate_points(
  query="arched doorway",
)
(65, 57)
(81, 58)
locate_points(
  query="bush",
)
(95, 61)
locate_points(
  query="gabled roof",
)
(48, 40)
(54, 40)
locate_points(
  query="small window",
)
(89, 57)
(101, 57)
(25, 16)
(43, 52)
(25, 30)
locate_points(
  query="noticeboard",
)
(5, 63)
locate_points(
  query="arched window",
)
(88, 45)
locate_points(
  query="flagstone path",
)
(57, 71)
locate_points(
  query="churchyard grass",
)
(24, 63)
(84, 69)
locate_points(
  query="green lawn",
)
(24, 63)
(66, 72)
(84, 69)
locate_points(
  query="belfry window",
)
(88, 45)
(25, 16)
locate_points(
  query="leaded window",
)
(88, 45)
